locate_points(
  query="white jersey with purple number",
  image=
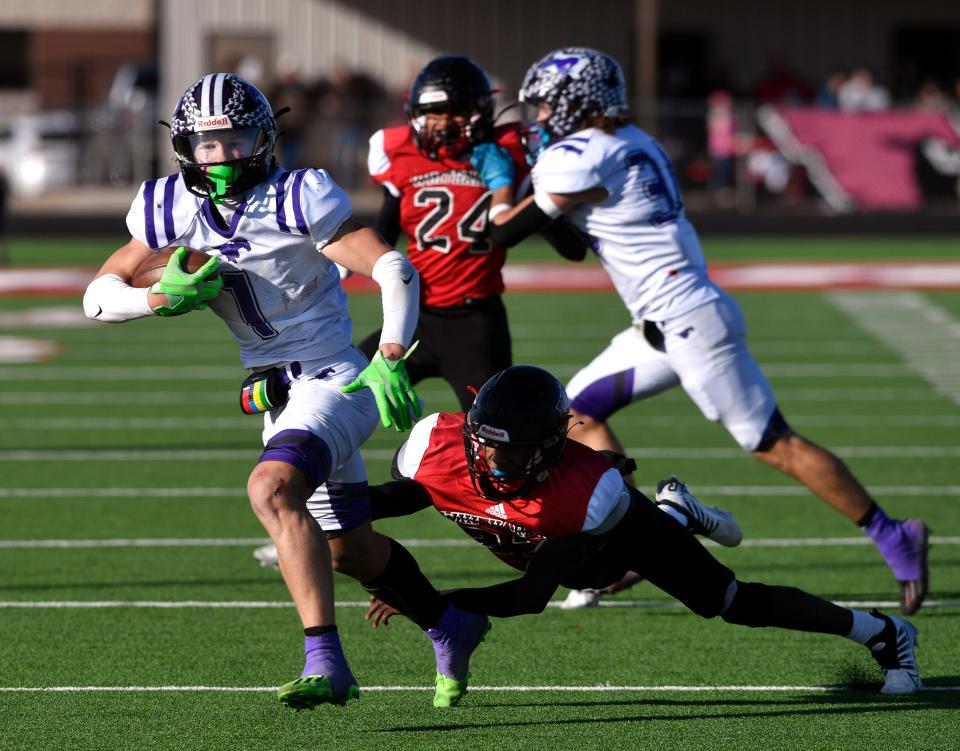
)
(640, 231)
(281, 297)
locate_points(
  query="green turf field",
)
(128, 584)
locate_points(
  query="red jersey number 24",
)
(471, 228)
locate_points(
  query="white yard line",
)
(686, 452)
(285, 604)
(925, 335)
(86, 373)
(242, 421)
(604, 689)
(440, 542)
(732, 491)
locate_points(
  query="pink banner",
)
(870, 155)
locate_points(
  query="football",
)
(150, 271)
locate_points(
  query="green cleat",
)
(311, 690)
(449, 691)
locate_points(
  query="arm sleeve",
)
(566, 239)
(388, 219)
(531, 592)
(111, 300)
(529, 220)
(398, 498)
(400, 290)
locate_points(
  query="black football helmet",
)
(455, 85)
(523, 409)
(222, 107)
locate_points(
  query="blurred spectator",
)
(860, 93)
(289, 91)
(354, 102)
(828, 96)
(721, 146)
(932, 98)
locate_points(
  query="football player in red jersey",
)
(561, 513)
(433, 194)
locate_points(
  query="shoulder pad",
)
(162, 211)
(309, 202)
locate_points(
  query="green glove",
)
(390, 384)
(185, 291)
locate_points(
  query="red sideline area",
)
(549, 277)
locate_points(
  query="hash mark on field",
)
(925, 335)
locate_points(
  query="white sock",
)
(676, 514)
(865, 627)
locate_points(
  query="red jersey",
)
(511, 530)
(443, 211)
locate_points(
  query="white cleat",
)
(266, 556)
(894, 649)
(581, 598)
(711, 522)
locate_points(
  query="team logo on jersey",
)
(498, 510)
(494, 434)
(212, 123)
(231, 250)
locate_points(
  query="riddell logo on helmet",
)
(213, 123)
(494, 434)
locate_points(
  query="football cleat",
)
(894, 650)
(453, 644)
(581, 598)
(310, 690)
(710, 522)
(266, 556)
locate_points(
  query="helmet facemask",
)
(207, 166)
(520, 467)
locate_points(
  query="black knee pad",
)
(749, 607)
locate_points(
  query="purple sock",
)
(896, 544)
(325, 657)
(455, 635)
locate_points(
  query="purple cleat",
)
(903, 545)
(455, 637)
(326, 677)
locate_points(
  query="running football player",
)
(560, 513)
(434, 196)
(275, 237)
(615, 183)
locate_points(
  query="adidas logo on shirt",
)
(497, 510)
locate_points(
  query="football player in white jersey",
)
(614, 182)
(276, 237)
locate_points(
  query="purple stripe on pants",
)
(605, 396)
(303, 450)
(349, 503)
